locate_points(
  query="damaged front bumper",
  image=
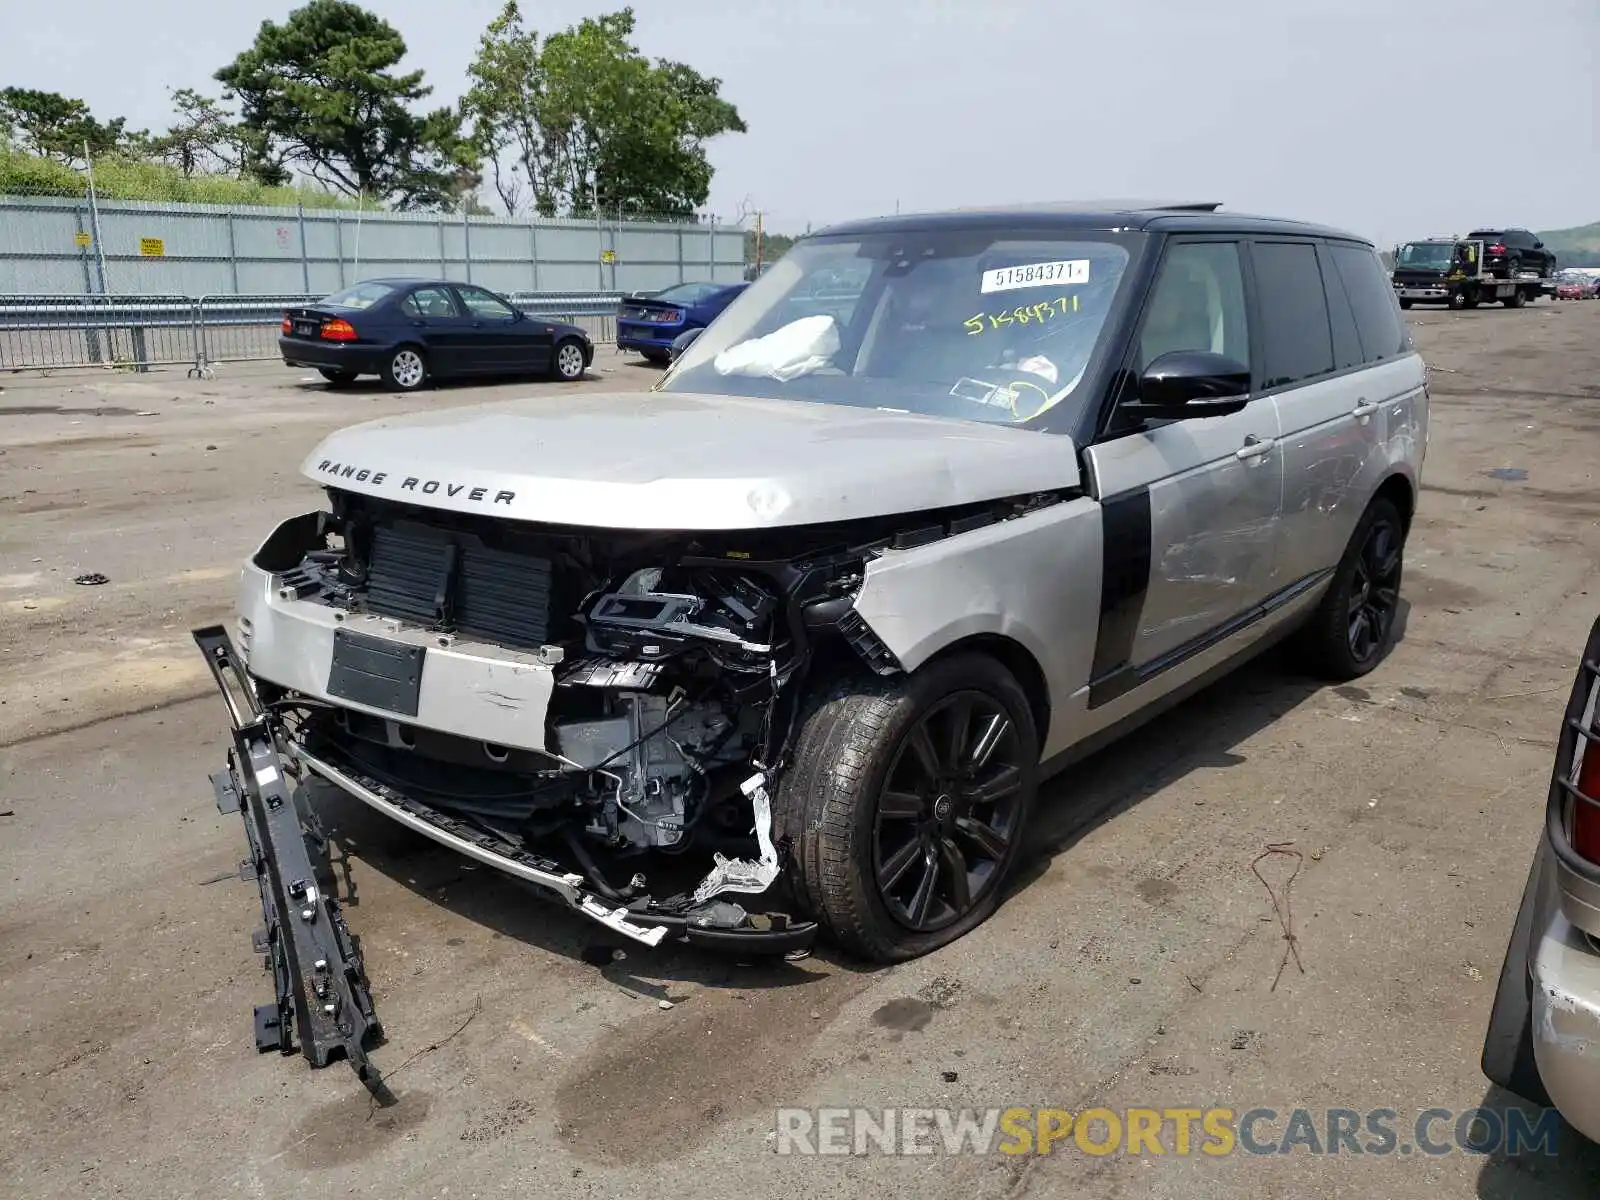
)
(316, 964)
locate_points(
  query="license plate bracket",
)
(376, 672)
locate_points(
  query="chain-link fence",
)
(41, 332)
(131, 229)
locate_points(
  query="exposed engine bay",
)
(674, 658)
(604, 714)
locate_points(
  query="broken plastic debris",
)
(92, 579)
(740, 874)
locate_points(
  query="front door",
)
(504, 339)
(1191, 507)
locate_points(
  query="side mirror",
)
(1183, 384)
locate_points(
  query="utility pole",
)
(94, 219)
(759, 215)
(599, 233)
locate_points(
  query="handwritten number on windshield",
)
(1046, 310)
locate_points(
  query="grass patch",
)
(120, 179)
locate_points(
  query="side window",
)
(1346, 342)
(429, 302)
(1378, 320)
(1296, 341)
(1197, 303)
(484, 304)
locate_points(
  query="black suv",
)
(1510, 251)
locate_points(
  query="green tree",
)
(203, 139)
(589, 120)
(773, 245)
(58, 127)
(319, 92)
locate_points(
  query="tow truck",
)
(1454, 271)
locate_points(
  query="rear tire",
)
(1353, 628)
(906, 804)
(1458, 300)
(405, 370)
(337, 378)
(659, 358)
(1404, 303)
(1515, 300)
(568, 360)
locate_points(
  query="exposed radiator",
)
(448, 580)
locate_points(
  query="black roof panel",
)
(1165, 216)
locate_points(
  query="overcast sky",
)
(1394, 118)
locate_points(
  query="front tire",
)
(568, 361)
(1353, 628)
(1404, 303)
(906, 803)
(406, 370)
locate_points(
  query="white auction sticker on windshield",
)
(1045, 274)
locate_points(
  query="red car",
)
(1574, 290)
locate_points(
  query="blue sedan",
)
(408, 331)
(650, 324)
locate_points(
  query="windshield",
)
(362, 295)
(689, 293)
(978, 324)
(1437, 255)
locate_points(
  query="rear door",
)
(437, 322)
(503, 339)
(1191, 507)
(1335, 342)
(1314, 373)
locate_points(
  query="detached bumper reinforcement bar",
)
(321, 984)
(484, 847)
(642, 921)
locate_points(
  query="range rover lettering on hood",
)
(412, 483)
(673, 461)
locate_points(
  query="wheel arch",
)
(1015, 658)
(1401, 491)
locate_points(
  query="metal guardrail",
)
(40, 332)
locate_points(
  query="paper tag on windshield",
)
(1045, 274)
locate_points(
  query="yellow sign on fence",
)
(152, 247)
(608, 256)
(83, 239)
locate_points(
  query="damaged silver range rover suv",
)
(787, 644)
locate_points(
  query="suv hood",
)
(670, 461)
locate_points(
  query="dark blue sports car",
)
(408, 331)
(650, 324)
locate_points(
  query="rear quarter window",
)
(1378, 322)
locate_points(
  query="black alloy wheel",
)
(1375, 589)
(948, 813)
